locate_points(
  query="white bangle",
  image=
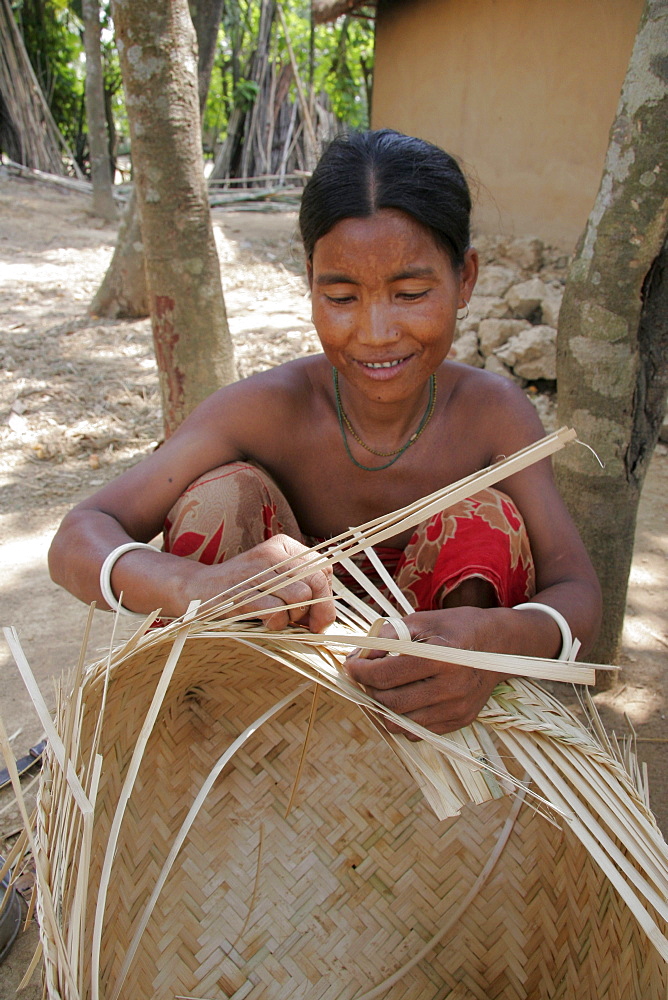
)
(105, 574)
(569, 645)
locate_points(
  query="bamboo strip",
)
(398, 595)
(625, 832)
(454, 918)
(525, 753)
(506, 663)
(30, 971)
(374, 593)
(187, 825)
(52, 736)
(124, 797)
(302, 758)
(47, 900)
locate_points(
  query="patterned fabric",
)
(227, 511)
(235, 507)
(484, 537)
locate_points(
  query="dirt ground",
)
(79, 403)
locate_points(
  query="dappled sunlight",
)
(643, 576)
(637, 704)
(41, 268)
(84, 403)
(21, 554)
(640, 635)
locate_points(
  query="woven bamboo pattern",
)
(182, 849)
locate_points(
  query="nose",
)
(377, 325)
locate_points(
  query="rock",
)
(526, 252)
(495, 280)
(527, 297)
(547, 410)
(494, 364)
(465, 350)
(532, 354)
(551, 305)
(486, 306)
(468, 325)
(663, 433)
(493, 333)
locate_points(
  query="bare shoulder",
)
(238, 413)
(242, 421)
(289, 384)
(495, 410)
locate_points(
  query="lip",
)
(398, 366)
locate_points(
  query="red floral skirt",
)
(235, 507)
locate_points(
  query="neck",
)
(381, 420)
(361, 444)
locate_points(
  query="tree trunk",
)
(206, 15)
(123, 293)
(612, 364)
(100, 171)
(244, 151)
(156, 43)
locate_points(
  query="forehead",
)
(390, 239)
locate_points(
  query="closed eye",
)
(413, 296)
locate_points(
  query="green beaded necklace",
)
(396, 455)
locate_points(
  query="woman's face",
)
(385, 299)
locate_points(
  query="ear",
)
(468, 275)
(309, 273)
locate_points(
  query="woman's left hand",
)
(441, 697)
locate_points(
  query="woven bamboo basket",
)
(223, 815)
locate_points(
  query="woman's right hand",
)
(146, 579)
(270, 559)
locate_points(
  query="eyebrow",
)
(334, 278)
(338, 278)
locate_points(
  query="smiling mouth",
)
(383, 364)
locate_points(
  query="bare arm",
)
(134, 507)
(446, 697)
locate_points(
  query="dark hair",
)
(362, 172)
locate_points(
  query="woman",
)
(378, 420)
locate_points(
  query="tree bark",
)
(156, 44)
(123, 293)
(100, 170)
(612, 345)
(206, 15)
(243, 153)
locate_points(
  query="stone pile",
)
(511, 328)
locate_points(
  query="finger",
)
(385, 672)
(318, 580)
(324, 613)
(435, 721)
(267, 607)
(409, 698)
(297, 593)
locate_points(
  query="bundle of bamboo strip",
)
(223, 814)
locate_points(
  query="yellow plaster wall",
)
(522, 91)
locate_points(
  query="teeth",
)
(383, 364)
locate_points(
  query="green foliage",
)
(342, 63)
(336, 59)
(52, 34)
(245, 93)
(338, 63)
